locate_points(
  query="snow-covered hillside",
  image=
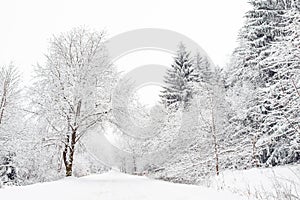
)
(113, 186)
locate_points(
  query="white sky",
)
(26, 26)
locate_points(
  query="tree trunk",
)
(134, 164)
(68, 153)
(3, 101)
(214, 134)
(255, 162)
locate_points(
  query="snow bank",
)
(267, 183)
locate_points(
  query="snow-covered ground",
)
(274, 183)
(113, 186)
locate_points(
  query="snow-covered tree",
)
(9, 92)
(138, 130)
(198, 145)
(280, 143)
(203, 69)
(22, 161)
(72, 90)
(10, 120)
(262, 29)
(212, 108)
(177, 90)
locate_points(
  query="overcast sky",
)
(27, 25)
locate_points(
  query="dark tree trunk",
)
(134, 164)
(68, 153)
(3, 101)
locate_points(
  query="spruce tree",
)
(203, 69)
(281, 144)
(178, 91)
(261, 29)
(248, 73)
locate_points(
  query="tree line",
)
(247, 112)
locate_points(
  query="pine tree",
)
(256, 36)
(203, 69)
(198, 150)
(280, 141)
(248, 73)
(177, 90)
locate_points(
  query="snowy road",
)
(113, 186)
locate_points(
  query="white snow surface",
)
(280, 183)
(113, 186)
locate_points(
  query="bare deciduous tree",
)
(9, 78)
(9, 97)
(72, 91)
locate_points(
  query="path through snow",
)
(113, 186)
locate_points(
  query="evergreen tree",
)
(178, 90)
(203, 69)
(281, 131)
(261, 29)
(248, 73)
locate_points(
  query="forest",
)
(209, 119)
